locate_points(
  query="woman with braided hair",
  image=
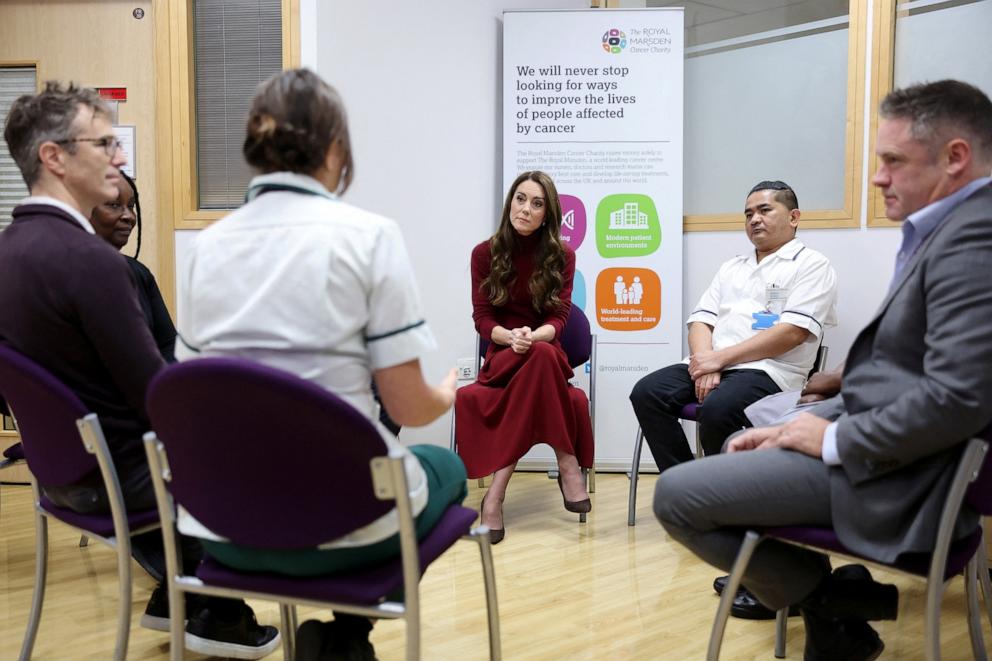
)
(114, 221)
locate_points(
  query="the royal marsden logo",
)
(614, 41)
(573, 221)
(627, 225)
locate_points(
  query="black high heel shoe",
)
(575, 506)
(496, 535)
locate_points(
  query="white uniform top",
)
(300, 281)
(741, 288)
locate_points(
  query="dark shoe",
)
(851, 573)
(850, 592)
(747, 607)
(349, 639)
(574, 506)
(496, 535)
(310, 641)
(719, 583)
(156, 614)
(241, 637)
(839, 640)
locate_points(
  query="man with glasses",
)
(69, 303)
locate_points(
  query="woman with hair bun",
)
(521, 297)
(301, 281)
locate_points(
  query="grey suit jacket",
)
(916, 385)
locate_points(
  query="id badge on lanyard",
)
(775, 298)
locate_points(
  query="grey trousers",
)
(708, 504)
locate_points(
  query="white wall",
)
(421, 82)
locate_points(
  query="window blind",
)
(238, 44)
(14, 82)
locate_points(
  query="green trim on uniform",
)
(446, 485)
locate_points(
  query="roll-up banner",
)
(594, 98)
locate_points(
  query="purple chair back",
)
(46, 412)
(979, 493)
(576, 338)
(263, 457)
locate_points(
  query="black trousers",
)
(659, 397)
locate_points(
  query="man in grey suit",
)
(875, 462)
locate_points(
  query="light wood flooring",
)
(599, 590)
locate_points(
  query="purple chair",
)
(689, 413)
(972, 485)
(216, 421)
(579, 344)
(51, 421)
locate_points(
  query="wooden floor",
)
(599, 590)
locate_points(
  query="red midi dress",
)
(520, 400)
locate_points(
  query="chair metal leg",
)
(177, 619)
(482, 483)
(635, 466)
(750, 542)
(781, 630)
(294, 622)
(84, 541)
(124, 598)
(412, 618)
(695, 435)
(489, 579)
(451, 441)
(585, 477)
(591, 481)
(935, 594)
(974, 610)
(286, 615)
(40, 574)
(986, 582)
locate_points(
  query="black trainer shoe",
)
(238, 638)
(156, 614)
(157, 611)
(349, 638)
(346, 638)
(311, 641)
(833, 640)
(851, 592)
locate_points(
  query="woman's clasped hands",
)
(520, 339)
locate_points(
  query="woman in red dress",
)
(521, 296)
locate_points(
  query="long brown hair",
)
(546, 283)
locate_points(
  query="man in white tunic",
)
(754, 332)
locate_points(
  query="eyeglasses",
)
(110, 143)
